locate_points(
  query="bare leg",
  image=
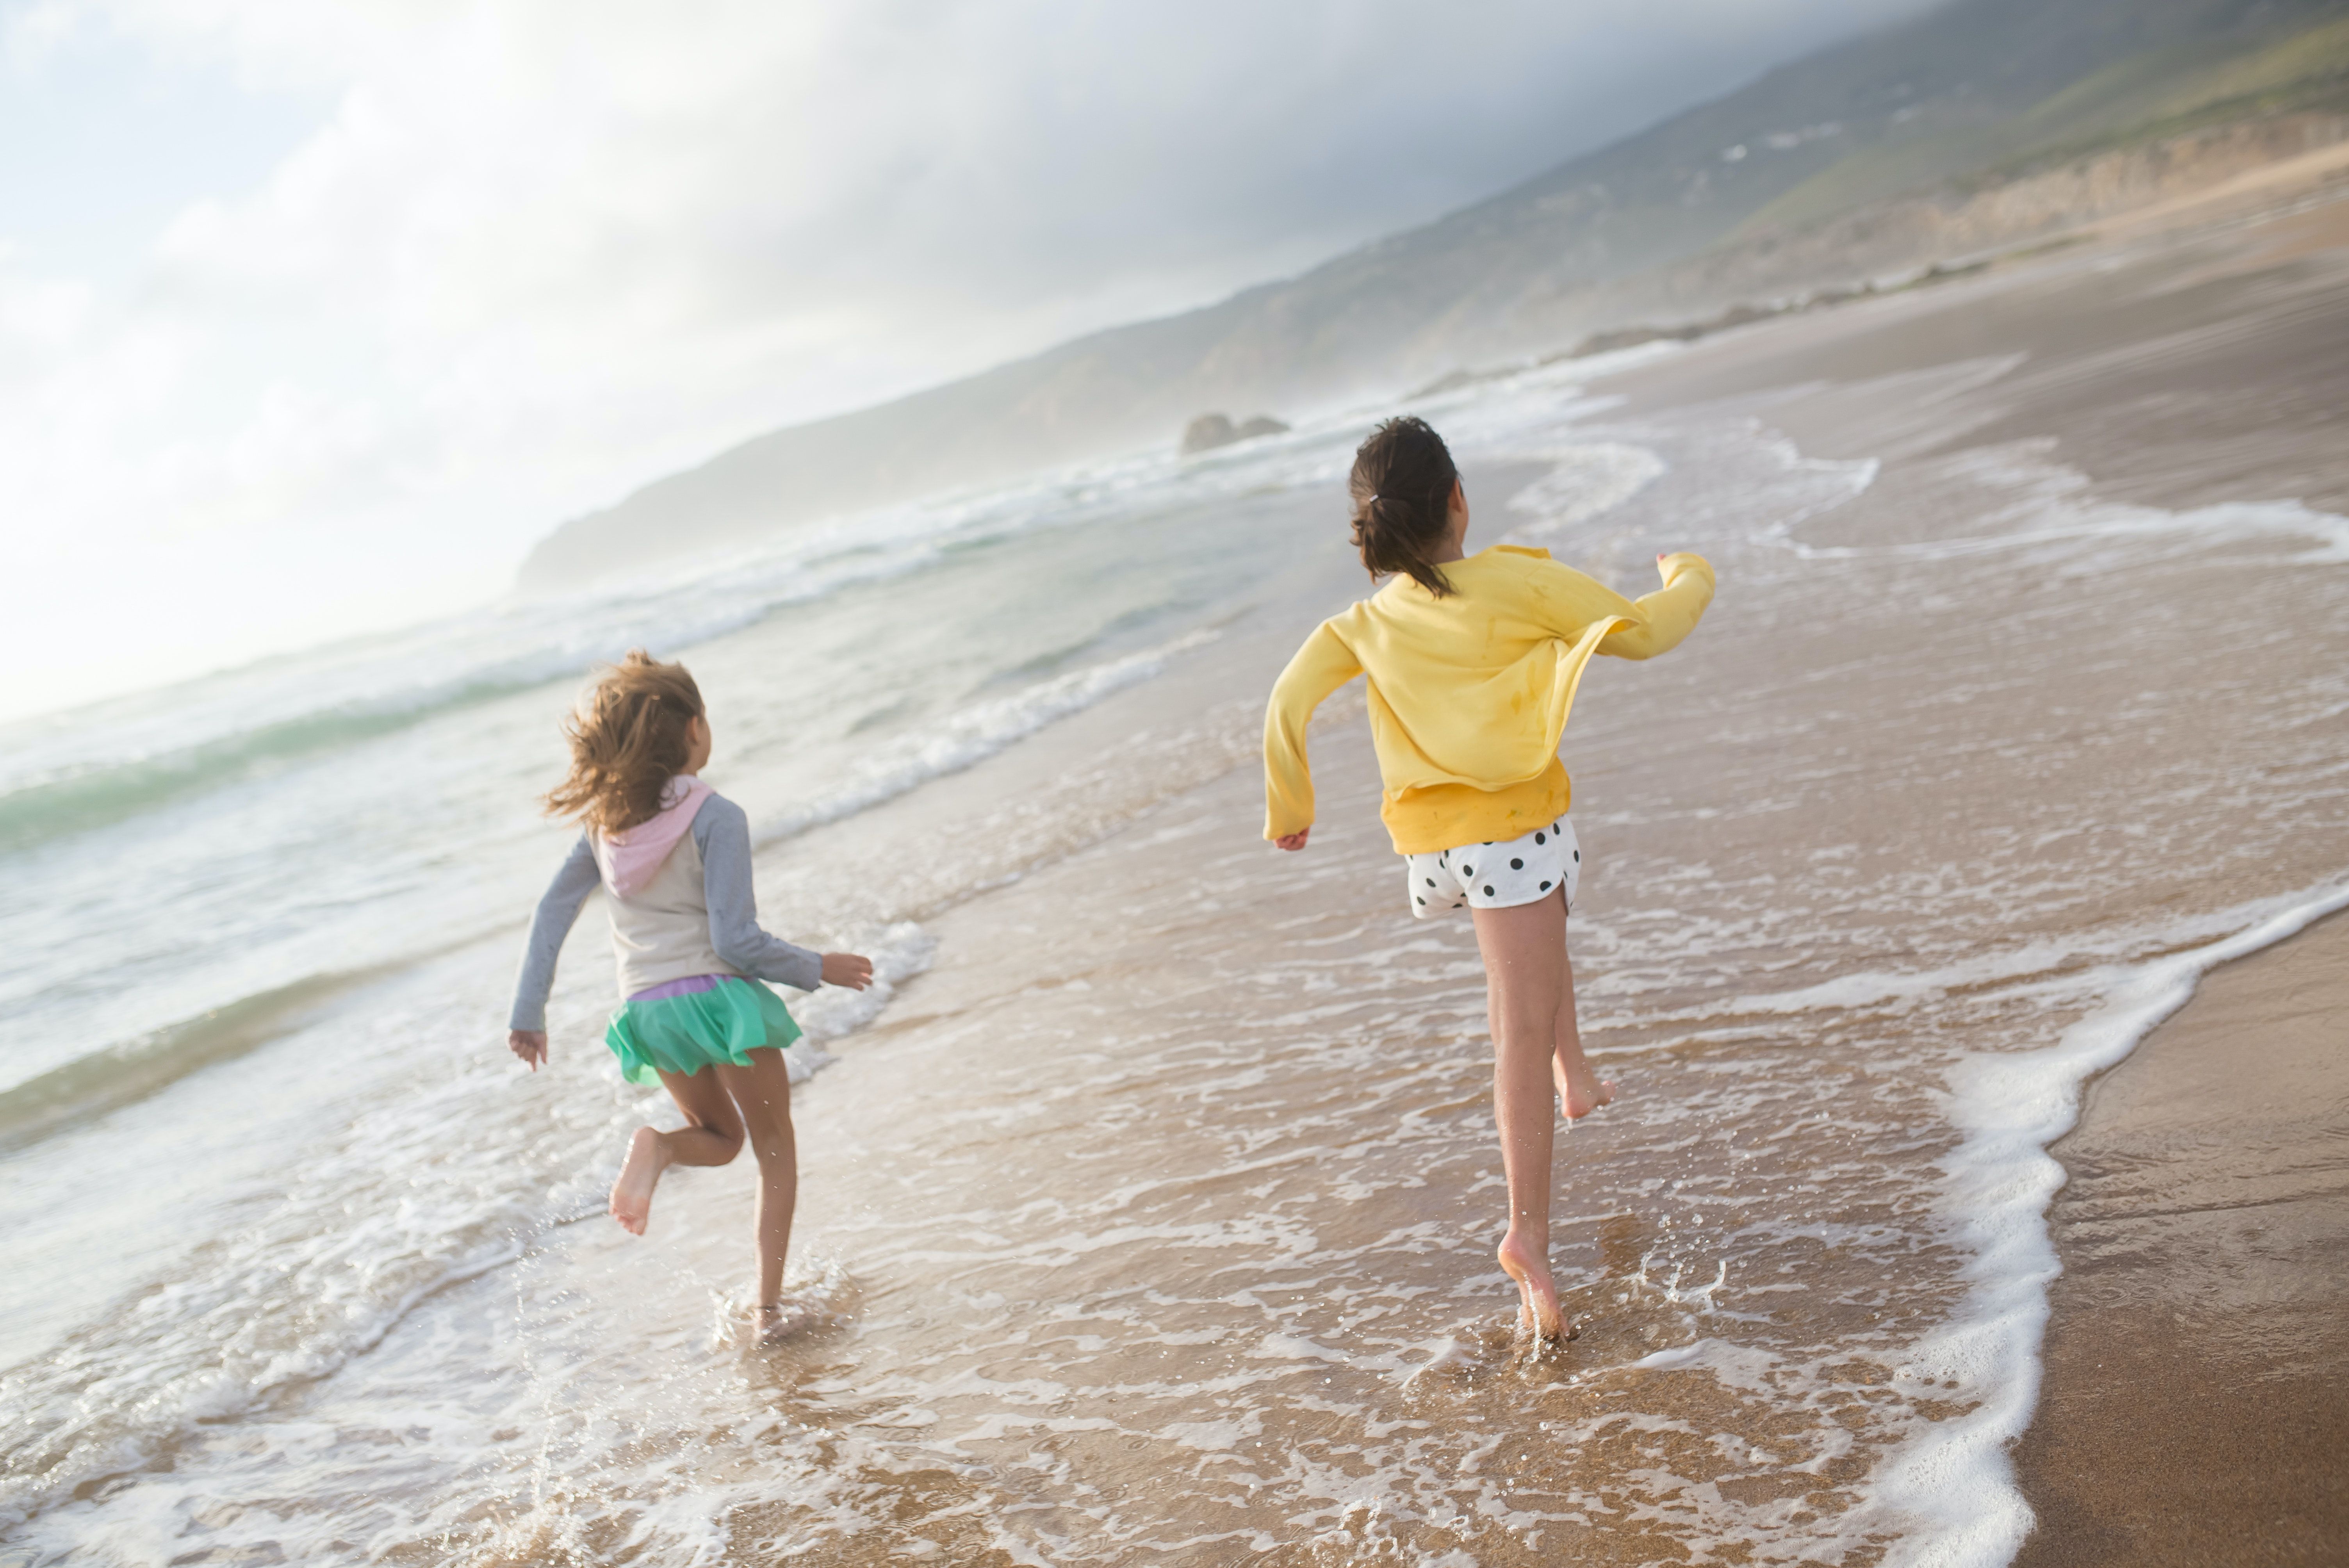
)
(762, 1092)
(712, 1135)
(1581, 1091)
(1526, 991)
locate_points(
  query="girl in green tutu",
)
(673, 859)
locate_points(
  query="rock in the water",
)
(1209, 431)
(1206, 431)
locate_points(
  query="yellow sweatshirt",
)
(1469, 693)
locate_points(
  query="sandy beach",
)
(2197, 1340)
(2199, 1336)
(972, 404)
(1148, 1204)
(2186, 369)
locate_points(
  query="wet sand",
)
(1153, 1223)
(2174, 370)
(1211, 966)
(2192, 1411)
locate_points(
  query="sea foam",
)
(1955, 1478)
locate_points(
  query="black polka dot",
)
(1422, 899)
(1488, 890)
(1544, 887)
(1467, 871)
(1578, 854)
(1517, 865)
(1488, 843)
(1431, 881)
(1538, 839)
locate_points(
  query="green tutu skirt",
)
(685, 1034)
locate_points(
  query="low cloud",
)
(531, 255)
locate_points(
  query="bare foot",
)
(1536, 1296)
(632, 1195)
(778, 1320)
(1579, 1099)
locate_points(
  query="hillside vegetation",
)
(1981, 123)
(2154, 95)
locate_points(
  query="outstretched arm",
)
(1323, 664)
(1662, 619)
(558, 911)
(723, 832)
(1571, 604)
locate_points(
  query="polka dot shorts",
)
(1497, 876)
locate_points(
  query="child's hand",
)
(530, 1045)
(1295, 841)
(852, 970)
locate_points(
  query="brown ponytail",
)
(629, 737)
(1401, 487)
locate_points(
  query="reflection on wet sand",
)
(1154, 1222)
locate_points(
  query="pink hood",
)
(629, 859)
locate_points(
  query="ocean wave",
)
(218, 1339)
(2051, 504)
(2010, 1107)
(121, 1073)
(129, 1070)
(134, 1068)
(99, 795)
(899, 951)
(61, 777)
(977, 732)
(411, 1198)
(1583, 482)
(401, 682)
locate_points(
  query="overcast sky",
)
(315, 314)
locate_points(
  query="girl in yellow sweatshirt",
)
(1472, 663)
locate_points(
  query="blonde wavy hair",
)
(629, 735)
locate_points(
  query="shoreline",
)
(2189, 1409)
(1154, 1219)
(2188, 1406)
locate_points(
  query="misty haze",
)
(1482, 786)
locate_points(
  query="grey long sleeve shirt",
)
(723, 832)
